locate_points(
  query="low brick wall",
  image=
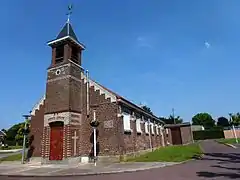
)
(228, 134)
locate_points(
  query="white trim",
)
(152, 128)
(3, 132)
(63, 38)
(37, 106)
(127, 122)
(138, 126)
(76, 64)
(102, 90)
(157, 129)
(68, 64)
(161, 130)
(167, 131)
(146, 127)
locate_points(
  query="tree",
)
(20, 133)
(235, 119)
(203, 119)
(222, 121)
(175, 120)
(172, 120)
(11, 134)
(148, 109)
(14, 135)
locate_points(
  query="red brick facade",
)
(66, 101)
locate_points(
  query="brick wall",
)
(186, 134)
(134, 142)
(69, 94)
(228, 134)
(36, 131)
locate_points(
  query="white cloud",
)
(207, 44)
(143, 42)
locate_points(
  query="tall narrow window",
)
(138, 126)
(59, 54)
(152, 127)
(126, 123)
(75, 54)
(157, 129)
(146, 127)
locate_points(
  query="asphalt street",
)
(219, 162)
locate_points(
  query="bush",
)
(208, 134)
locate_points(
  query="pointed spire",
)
(67, 31)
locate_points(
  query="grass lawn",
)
(170, 154)
(6, 152)
(14, 157)
(229, 141)
(11, 147)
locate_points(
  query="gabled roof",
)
(129, 103)
(118, 98)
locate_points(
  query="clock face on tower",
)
(57, 72)
(60, 71)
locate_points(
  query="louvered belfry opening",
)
(66, 46)
(75, 54)
(59, 57)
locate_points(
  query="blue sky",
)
(165, 53)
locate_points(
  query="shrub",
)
(208, 134)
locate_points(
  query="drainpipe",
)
(94, 139)
(87, 74)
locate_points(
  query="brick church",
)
(60, 121)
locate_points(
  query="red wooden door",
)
(56, 143)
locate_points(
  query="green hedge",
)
(208, 134)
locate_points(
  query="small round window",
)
(58, 72)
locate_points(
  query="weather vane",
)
(69, 11)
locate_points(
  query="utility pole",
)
(26, 117)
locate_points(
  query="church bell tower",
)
(64, 71)
(63, 109)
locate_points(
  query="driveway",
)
(220, 162)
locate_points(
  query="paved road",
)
(220, 162)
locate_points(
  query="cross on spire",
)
(69, 12)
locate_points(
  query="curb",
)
(230, 145)
(227, 144)
(94, 173)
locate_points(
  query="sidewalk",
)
(16, 169)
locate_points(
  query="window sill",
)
(128, 130)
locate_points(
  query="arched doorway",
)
(56, 141)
